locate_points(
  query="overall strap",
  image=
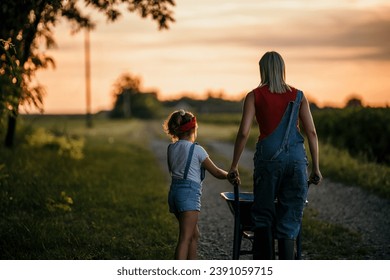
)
(189, 161)
(169, 165)
(292, 119)
(293, 116)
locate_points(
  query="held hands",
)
(233, 177)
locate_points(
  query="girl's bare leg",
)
(187, 225)
(193, 248)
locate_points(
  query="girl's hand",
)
(233, 177)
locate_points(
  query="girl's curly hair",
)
(174, 121)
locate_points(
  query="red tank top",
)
(270, 108)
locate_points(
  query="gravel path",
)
(348, 206)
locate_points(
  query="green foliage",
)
(63, 203)
(131, 102)
(326, 241)
(2, 173)
(65, 144)
(362, 131)
(111, 204)
(28, 27)
(10, 74)
(139, 105)
(146, 106)
(340, 166)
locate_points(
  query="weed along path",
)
(347, 206)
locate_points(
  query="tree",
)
(26, 30)
(130, 101)
(354, 102)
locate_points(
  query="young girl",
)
(187, 162)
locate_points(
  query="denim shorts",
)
(184, 195)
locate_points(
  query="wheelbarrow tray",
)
(246, 201)
(242, 219)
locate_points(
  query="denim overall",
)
(185, 194)
(280, 172)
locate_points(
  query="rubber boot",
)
(286, 249)
(263, 244)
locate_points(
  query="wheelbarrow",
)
(240, 204)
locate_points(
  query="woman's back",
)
(270, 108)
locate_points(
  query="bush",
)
(362, 131)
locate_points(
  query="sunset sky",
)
(332, 49)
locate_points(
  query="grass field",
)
(67, 192)
(110, 204)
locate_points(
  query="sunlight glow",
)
(332, 49)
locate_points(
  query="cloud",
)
(336, 34)
(372, 35)
(321, 32)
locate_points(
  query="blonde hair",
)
(273, 72)
(172, 124)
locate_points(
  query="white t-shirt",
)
(177, 156)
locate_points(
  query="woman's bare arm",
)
(243, 131)
(308, 125)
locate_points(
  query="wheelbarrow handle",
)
(237, 223)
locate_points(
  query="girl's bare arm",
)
(214, 170)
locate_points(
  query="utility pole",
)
(88, 78)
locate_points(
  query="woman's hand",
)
(315, 177)
(234, 177)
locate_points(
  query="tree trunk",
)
(9, 137)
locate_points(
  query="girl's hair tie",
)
(188, 125)
(182, 112)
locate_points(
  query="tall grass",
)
(111, 204)
(339, 165)
(325, 241)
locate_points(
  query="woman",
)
(280, 162)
